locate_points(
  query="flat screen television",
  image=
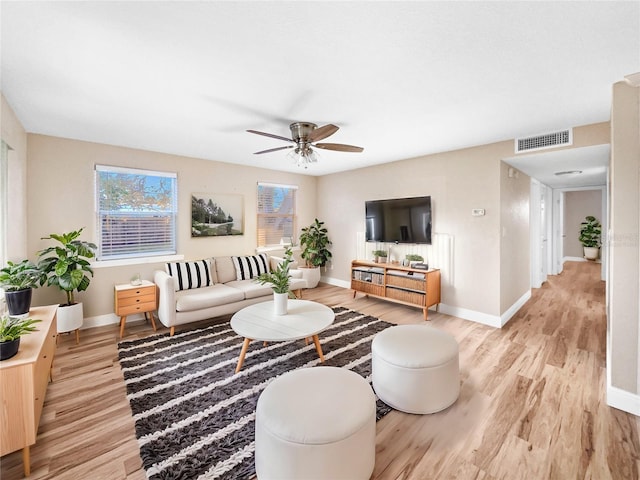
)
(399, 220)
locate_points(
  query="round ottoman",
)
(414, 368)
(316, 423)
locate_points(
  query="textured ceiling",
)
(400, 79)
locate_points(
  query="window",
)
(276, 213)
(136, 212)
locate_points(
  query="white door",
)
(544, 243)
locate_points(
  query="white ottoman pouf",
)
(415, 369)
(316, 423)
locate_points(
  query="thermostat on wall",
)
(477, 212)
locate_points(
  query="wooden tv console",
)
(406, 285)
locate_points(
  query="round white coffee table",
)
(259, 322)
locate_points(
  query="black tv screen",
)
(399, 220)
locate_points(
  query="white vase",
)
(311, 275)
(591, 253)
(280, 303)
(69, 317)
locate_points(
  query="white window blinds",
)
(136, 212)
(276, 213)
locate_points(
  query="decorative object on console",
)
(590, 232)
(413, 258)
(216, 215)
(380, 256)
(11, 329)
(193, 402)
(315, 242)
(278, 278)
(304, 135)
(18, 281)
(66, 266)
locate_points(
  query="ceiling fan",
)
(304, 136)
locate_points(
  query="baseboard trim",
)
(108, 319)
(466, 314)
(472, 315)
(623, 400)
(513, 309)
(573, 259)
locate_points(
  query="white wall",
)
(624, 249)
(61, 198)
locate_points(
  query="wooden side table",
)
(130, 299)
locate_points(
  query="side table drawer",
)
(129, 301)
(135, 292)
(137, 308)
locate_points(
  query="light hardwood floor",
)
(532, 402)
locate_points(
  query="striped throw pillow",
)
(250, 266)
(188, 275)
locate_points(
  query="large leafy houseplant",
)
(66, 264)
(20, 276)
(278, 278)
(590, 231)
(315, 244)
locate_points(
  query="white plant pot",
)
(591, 253)
(311, 275)
(280, 303)
(69, 317)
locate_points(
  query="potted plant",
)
(11, 329)
(590, 232)
(314, 242)
(66, 266)
(278, 278)
(18, 281)
(380, 256)
(412, 258)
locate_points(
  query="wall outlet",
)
(477, 212)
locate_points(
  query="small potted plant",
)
(412, 258)
(314, 241)
(66, 266)
(18, 281)
(278, 278)
(590, 231)
(380, 256)
(11, 329)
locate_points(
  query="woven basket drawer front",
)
(366, 287)
(405, 282)
(406, 296)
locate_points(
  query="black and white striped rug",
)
(194, 417)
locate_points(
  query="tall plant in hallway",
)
(590, 232)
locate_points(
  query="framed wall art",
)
(216, 215)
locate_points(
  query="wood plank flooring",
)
(531, 406)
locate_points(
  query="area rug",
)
(194, 417)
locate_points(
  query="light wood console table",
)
(23, 385)
(406, 285)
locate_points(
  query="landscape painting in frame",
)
(216, 215)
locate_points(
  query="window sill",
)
(136, 261)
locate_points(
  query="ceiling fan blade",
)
(273, 149)
(322, 132)
(270, 135)
(339, 147)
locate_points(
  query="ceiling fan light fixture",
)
(303, 156)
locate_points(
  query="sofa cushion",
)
(225, 270)
(188, 275)
(250, 266)
(251, 288)
(219, 294)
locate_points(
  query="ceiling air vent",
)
(546, 140)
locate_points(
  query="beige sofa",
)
(222, 295)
